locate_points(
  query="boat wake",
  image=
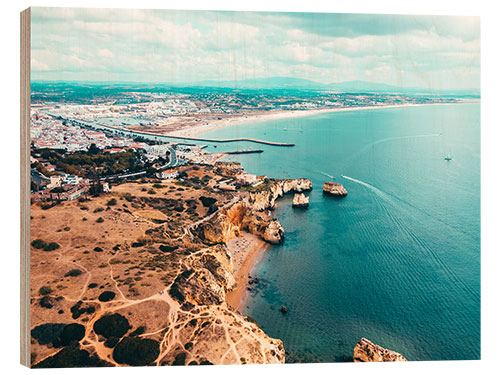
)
(419, 242)
(327, 175)
(365, 148)
(403, 137)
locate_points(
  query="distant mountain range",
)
(283, 83)
(305, 84)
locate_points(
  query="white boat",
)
(447, 157)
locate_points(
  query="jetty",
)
(254, 140)
(245, 151)
(155, 136)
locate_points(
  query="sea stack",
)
(300, 201)
(367, 351)
(334, 188)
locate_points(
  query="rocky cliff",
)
(334, 188)
(228, 223)
(367, 351)
(266, 199)
(300, 201)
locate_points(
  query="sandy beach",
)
(209, 125)
(246, 251)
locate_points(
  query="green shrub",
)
(180, 359)
(92, 285)
(135, 351)
(139, 331)
(128, 197)
(47, 302)
(111, 202)
(38, 244)
(51, 246)
(112, 325)
(111, 342)
(71, 356)
(98, 249)
(77, 310)
(106, 296)
(73, 273)
(207, 201)
(168, 249)
(99, 220)
(73, 332)
(45, 290)
(47, 333)
(138, 243)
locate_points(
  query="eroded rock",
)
(367, 351)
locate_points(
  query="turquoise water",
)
(398, 260)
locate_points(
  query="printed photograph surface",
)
(229, 187)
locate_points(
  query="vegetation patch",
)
(207, 201)
(111, 202)
(73, 273)
(47, 333)
(42, 245)
(111, 342)
(58, 334)
(106, 296)
(77, 310)
(47, 302)
(167, 248)
(180, 359)
(135, 351)
(71, 356)
(45, 290)
(138, 331)
(112, 325)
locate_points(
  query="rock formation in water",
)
(266, 199)
(300, 200)
(334, 188)
(367, 351)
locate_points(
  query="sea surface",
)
(396, 261)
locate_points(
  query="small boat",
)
(447, 157)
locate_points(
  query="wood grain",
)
(25, 76)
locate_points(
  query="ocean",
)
(396, 261)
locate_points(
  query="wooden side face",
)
(25, 78)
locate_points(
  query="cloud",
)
(104, 52)
(177, 46)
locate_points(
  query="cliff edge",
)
(367, 351)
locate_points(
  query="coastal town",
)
(154, 126)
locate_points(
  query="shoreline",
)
(246, 250)
(194, 131)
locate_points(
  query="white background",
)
(9, 180)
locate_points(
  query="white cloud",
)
(104, 52)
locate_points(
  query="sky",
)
(172, 46)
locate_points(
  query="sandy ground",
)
(246, 251)
(193, 130)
